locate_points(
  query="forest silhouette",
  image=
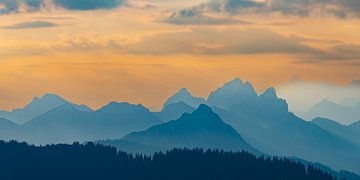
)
(95, 161)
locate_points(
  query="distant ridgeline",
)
(233, 118)
(91, 161)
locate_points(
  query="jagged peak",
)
(183, 90)
(269, 93)
(234, 82)
(237, 83)
(184, 95)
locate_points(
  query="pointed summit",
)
(232, 93)
(269, 93)
(183, 95)
(202, 128)
(270, 103)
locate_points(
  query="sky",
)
(142, 51)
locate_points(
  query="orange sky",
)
(127, 54)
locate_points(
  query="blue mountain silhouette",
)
(265, 123)
(332, 110)
(202, 128)
(37, 107)
(233, 92)
(174, 111)
(345, 131)
(183, 95)
(8, 129)
(67, 123)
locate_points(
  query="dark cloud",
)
(88, 4)
(189, 17)
(18, 6)
(31, 25)
(303, 8)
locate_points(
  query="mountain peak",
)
(232, 93)
(236, 81)
(269, 93)
(202, 128)
(47, 98)
(203, 108)
(183, 91)
(122, 107)
(183, 95)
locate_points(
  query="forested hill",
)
(93, 161)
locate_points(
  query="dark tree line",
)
(93, 161)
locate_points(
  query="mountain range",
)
(37, 107)
(301, 95)
(233, 117)
(349, 132)
(183, 95)
(202, 128)
(331, 110)
(68, 123)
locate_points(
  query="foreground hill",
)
(101, 162)
(200, 129)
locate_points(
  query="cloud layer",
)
(31, 25)
(19, 6)
(303, 8)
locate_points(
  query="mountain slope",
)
(63, 124)
(202, 128)
(174, 111)
(183, 95)
(8, 129)
(118, 119)
(66, 124)
(343, 131)
(265, 123)
(37, 107)
(334, 111)
(233, 92)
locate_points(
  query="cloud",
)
(302, 8)
(226, 41)
(20, 6)
(88, 4)
(193, 17)
(197, 41)
(340, 52)
(31, 25)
